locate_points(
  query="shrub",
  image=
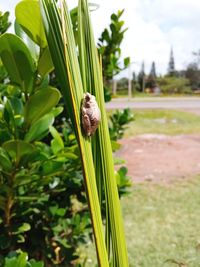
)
(174, 85)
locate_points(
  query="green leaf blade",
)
(68, 72)
(102, 150)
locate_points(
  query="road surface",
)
(192, 103)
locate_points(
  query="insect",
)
(91, 115)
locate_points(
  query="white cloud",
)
(154, 26)
(179, 22)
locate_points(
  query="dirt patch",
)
(161, 158)
(194, 111)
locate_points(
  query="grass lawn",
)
(162, 224)
(135, 95)
(170, 122)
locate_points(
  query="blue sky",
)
(154, 26)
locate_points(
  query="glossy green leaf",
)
(57, 143)
(24, 227)
(126, 61)
(40, 128)
(10, 262)
(51, 167)
(45, 64)
(36, 264)
(9, 114)
(20, 239)
(24, 179)
(17, 61)
(55, 210)
(18, 30)
(5, 162)
(41, 103)
(32, 46)
(17, 110)
(56, 111)
(123, 181)
(18, 148)
(28, 16)
(69, 155)
(19, 261)
(17, 105)
(22, 260)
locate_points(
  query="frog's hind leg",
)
(86, 124)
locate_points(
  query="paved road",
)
(192, 103)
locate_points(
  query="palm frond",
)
(102, 150)
(63, 51)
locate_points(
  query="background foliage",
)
(43, 208)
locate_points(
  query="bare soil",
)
(161, 158)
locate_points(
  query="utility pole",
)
(114, 87)
(130, 79)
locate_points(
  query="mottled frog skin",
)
(91, 115)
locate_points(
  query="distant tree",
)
(197, 57)
(109, 47)
(171, 66)
(153, 70)
(4, 22)
(192, 73)
(141, 78)
(151, 79)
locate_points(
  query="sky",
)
(154, 26)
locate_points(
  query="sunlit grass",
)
(162, 221)
(137, 96)
(162, 224)
(170, 122)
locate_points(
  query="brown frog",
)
(91, 115)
